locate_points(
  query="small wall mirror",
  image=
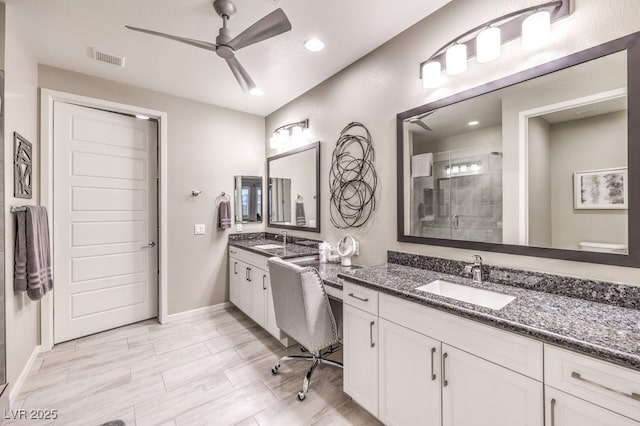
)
(537, 163)
(248, 199)
(294, 186)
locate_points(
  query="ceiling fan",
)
(225, 46)
(418, 121)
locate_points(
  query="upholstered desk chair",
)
(303, 312)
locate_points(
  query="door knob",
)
(150, 245)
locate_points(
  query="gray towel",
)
(301, 219)
(224, 215)
(32, 256)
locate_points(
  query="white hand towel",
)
(422, 165)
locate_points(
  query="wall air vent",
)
(109, 58)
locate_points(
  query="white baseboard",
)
(17, 386)
(199, 311)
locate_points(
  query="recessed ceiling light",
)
(142, 117)
(256, 92)
(314, 45)
(473, 123)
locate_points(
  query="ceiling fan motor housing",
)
(225, 8)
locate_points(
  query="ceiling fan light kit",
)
(226, 45)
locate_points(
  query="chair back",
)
(301, 305)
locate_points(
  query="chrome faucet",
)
(284, 238)
(475, 269)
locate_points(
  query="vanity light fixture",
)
(290, 135)
(484, 42)
(314, 45)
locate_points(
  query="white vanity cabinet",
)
(250, 289)
(585, 391)
(360, 345)
(433, 368)
(409, 376)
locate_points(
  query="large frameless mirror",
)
(294, 186)
(535, 164)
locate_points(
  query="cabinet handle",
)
(264, 282)
(631, 395)
(359, 298)
(235, 268)
(553, 412)
(445, 382)
(249, 274)
(433, 375)
(371, 324)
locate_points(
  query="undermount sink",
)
(268, 246)
(463, 293)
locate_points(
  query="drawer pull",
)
(371, 333)
(235, 268)
(264, 283)
(359, 298)
(433, 375)
(631, 395)
(553, 412)
(445, 382)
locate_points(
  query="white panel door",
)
(476, 392)
(104, 219)
(563, 409)
(409, 377)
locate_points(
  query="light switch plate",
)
(198, 229)
(238, 227)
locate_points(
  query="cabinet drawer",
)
(509, 350)
(254, 259)
(360, 297)
(610, 386)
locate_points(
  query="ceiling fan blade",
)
(197, 43)
(240, 74)
(271, 25)
(421, 124)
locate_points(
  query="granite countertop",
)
(608, 332)
(298, 249)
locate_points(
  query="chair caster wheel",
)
(301, 396)
(274, 370)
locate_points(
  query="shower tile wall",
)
(467, 207)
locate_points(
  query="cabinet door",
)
(257, 282)
(476, 392)
(234, 281)
(563, 409)
(270, 315)
(360, 336)
(409, 376)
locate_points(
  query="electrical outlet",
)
(198, 229)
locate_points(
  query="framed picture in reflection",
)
(601, 189)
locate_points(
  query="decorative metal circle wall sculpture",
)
(352, 178)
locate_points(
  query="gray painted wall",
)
(539, 180)
(21, 115)
(385, 82)
(576, 146)
(207, 147)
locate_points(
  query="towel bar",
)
(14, 209)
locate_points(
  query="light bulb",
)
(314, 45)
(488, 44)
(431, 74)
(306, 135)
(456, 59)
(536, 30)
(296, 134)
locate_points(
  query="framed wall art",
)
(22, 167)
(601, 189)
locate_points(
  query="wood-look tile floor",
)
(213, 369)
